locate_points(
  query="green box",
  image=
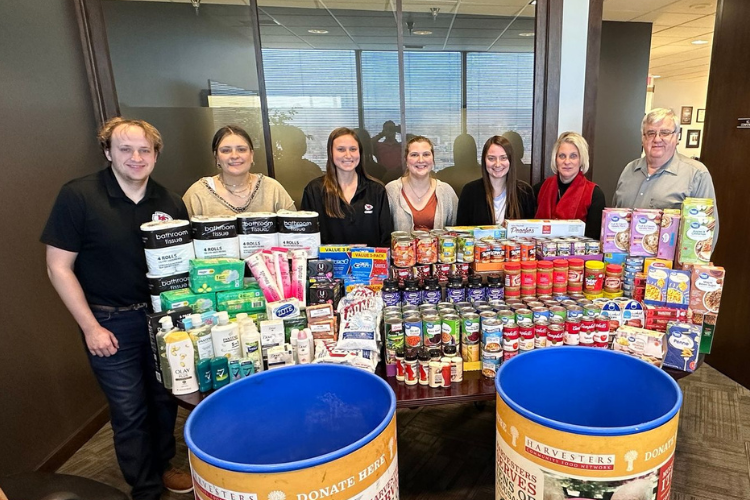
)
(248, 299)
(214, 275)
(199, 302)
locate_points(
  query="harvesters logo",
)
(204, 489)
(567, 458)
(368, 208)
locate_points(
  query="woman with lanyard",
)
(498, 195)
(353, 207)
(569, 194)
(417, 200)
(234, 189)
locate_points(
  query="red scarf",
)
(574, 204)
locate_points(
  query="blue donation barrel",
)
(579, 422)
(296, 433)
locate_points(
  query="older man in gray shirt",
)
(663, 178)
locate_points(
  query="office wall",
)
(725, 152)
(621, 98)
(46, 138)
(675, 94)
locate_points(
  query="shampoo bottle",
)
(165, 326)
(226, 338)
(200, 335)
(251, 346)
(181, 357)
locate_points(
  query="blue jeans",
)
(142, 412)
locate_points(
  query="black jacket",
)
(474, 211)
(367, 219)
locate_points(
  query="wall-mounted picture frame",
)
(686, 115)
(700, 116)
(693, 139)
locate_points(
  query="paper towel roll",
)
(256, 231)
(299, 230)
(168, 246)
(215, 237)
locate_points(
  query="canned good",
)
(572, 332)
(482, 252)
(593, 247)
(574, 311)
(592, 310)
(526, 331)
(490, 363)
(563, 247)
(413, 331)
(540, 334)
(394, 334)
(451, 330)
(601, 338)
(586, 335)
(524, 315)
(506, 316)
(431, 331)
(555, 334)
(447, 254)
(427, 249)
(548, 248)
(508, 355)
(403, 253)
(540, 312)
(470, 332)
(465, 248)
(558, 311)
(399, 234)
(512, 250)
(470, 352)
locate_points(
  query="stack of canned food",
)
(489, 332)
(633, 267)
(436, 246)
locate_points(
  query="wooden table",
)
(475, 387)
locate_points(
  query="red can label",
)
(555, 334)
(511, 332)
(601, 324)
(601, 337)
(509, 355)
(572, 332)
(587, 331)
(601, 345)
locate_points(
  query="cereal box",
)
(615, 235)
(696, 240)
(698, 207)
(668, 234)
(656, 286)
(644, 232)
(647, 345)
(683, 346)
(678, 289)
(705, 291)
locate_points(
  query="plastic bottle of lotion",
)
(226, 338)
(293, 339)
(165, 326)
(304, 347)
(251, 346)
(200, 335)
(181, 357)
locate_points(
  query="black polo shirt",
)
(367, 218)
(93, 217)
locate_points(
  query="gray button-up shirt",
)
(681, 177)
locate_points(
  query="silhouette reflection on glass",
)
(292, 170)
(372, 167)
(523, 170)
(465, 165)
(385, 147)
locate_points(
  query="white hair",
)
(657, 115)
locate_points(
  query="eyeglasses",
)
(664, 134)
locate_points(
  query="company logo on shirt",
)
(368, 208)
(160, 216)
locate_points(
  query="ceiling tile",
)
(680, 32)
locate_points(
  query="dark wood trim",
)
(593, 52)
(255, 20)
(96, 56)
(62, 454)
(548, 37)
(464, 98)
(401, 76)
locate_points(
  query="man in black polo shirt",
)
(96, 262)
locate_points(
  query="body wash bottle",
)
(165, 326)
(251, 346)
(181, 357)
(200, 335)
(226, 338)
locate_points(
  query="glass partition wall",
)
(467, 75)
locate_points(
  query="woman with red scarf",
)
(569, 194)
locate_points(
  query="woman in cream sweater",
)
(419, 201)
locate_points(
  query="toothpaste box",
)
(214, 275)
(369, 263)
(540, 227)
(683, 346)
(339, 255)
(199, 302)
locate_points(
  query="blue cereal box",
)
(683, 346)
(678, 289)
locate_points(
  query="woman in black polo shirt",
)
(353, 206)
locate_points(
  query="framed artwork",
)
(700, 117)
(693, 139)
(686, 115)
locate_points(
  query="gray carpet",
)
(447, 452)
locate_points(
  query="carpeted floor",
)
(447, 452)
